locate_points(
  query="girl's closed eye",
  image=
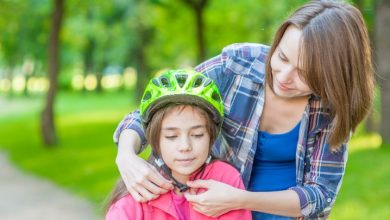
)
(170, 137)
(198, 135)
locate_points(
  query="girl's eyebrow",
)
(175, 128)
(198, 126)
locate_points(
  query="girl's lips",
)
(185, 162)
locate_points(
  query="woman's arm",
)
(284, 202)
(221, 198)
(314, 198)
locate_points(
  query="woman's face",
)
(184, 141)
(284, 63)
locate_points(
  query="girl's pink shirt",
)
(163, 208)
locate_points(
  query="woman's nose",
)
(286, 74)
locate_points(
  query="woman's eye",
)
(282, 57)
(171, 137)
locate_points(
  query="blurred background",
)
(70, 70)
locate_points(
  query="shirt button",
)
(329, 200)
(231, 129)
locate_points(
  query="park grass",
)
(83, 162)
(365, 192)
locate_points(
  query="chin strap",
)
(160, 163)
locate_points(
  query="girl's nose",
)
(185, 145)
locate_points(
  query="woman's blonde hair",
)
(336, 62)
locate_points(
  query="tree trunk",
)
(47, 117)
(371, 123)
(198, 7)
(141, 65)
(9, 73)
(88, 59)
(382, 47)
(200, 34)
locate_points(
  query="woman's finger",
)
(136, 196)
(144, 193)
(163, 184)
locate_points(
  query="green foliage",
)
(24, 26)
(106, 33)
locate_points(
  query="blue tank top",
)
(274, 162)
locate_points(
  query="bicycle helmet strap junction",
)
(164, 168)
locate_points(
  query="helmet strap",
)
(164, 168)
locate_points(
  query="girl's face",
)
(284, 63)
(184, 141)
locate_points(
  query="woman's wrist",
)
(239, 199)
(129, 143)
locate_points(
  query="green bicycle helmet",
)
(181, 87)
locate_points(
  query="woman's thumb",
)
(199, 184)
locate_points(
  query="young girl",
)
(182, 113)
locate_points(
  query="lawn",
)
(83, 163)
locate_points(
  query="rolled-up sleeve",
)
(322, 183)
(131, 121)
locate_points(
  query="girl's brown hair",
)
(152, 134)
(336, 62)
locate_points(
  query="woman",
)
(289, 113)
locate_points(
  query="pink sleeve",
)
(125, 209)
(226, 173)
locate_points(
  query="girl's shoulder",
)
(126, 201)
(221, 166)
(223, 172)
(124, 208)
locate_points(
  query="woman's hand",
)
(218, 199)
(142, 180)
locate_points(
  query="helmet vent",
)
(155, 82)
(198, 82)
(181, 79)
(216, 97)
(165, 82)
(147, 96)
